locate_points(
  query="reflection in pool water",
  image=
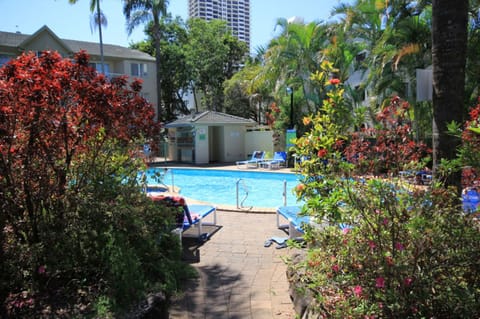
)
(265, 189)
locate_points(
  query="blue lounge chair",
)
(189, 215)
(294, 227)
(296, 221)
(279, 160)
(253, 162)
(471, 200)
(422, 177)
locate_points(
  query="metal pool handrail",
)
(173, 177)
(240, 205)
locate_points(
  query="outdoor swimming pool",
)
(256, 189)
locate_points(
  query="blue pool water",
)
(265, 189)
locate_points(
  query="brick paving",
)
(238, 278)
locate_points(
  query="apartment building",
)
(235, 12)
(117, 60)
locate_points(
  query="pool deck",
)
(238, 278)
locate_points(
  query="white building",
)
(117, 60)
(235, 12)
(209, 137)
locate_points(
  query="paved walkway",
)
(238, 277)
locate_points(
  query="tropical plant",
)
(140, 12)
(376, 247)
(246, 93)
(468, 152)
(389, 253)
(176, 76)
(388, 147)
(291, 58)
(325, 130)
(98, 20)
(213, 55)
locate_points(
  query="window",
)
(138, 70)
(98, 67)
(4, 59)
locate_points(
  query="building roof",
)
(210, 118)
(19, 40)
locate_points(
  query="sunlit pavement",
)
(238, 278)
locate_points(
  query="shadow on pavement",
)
(191, 244)
(210, 294)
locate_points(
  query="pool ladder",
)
(241, 183)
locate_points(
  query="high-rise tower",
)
(235, 12)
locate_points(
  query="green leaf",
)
(475, 129)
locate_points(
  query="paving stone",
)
(238, 277)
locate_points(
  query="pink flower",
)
(380, 282)
(335, 268)
(407, 281)
(371, 244)
(357, 290)
(399, 246)
(345, 230)
(41, 269)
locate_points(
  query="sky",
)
(73, 21)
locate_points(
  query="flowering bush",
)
(469, 151)
(326, 131)
(378, 248)
(76, 233)
(398, 254)
(390, 146)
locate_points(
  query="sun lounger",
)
(253, 162)
(422, 177)
(191, 215)
(470, 200)
(279, 160)
(295, 222)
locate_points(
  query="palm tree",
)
(98, 20)
(449, 48)
(140, 12)
(396, 37)
(292, 57)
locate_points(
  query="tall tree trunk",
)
(449, 47)
(158, 58)
(99, 21)
(195, 99)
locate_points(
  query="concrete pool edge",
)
(230, 208)
(248, 210)
(224, 166)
